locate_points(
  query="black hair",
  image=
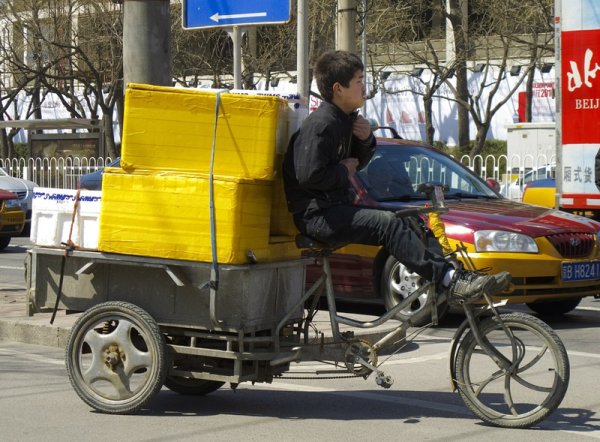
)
(336, 67)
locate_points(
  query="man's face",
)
(352, 97)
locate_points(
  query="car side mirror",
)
(493, 184)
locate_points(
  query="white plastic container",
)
(52, 217)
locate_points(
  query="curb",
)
(38, 330)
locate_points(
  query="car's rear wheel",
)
(4, 242)
(397, 283)
(554, 307)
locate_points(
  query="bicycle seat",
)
(320, 248)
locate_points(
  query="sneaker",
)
(469, 286)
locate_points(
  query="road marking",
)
(31, 357)
(12, 268)
(592, 309)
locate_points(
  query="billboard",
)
(580, 101)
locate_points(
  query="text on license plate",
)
(580, 271)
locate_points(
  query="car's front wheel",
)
(4, 242)
(554, 307)
(397, 283)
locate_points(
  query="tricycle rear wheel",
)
(115, 357)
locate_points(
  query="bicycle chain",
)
(317, 377)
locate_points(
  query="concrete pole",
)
(346, 25)
(147, 42)
(302, 50)
(236, 37)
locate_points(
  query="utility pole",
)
(147, 42)
(346, 25)
(302, 60)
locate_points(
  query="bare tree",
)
(71, 47)
(494, 33)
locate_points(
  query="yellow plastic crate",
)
(166, 215)
(169, 128)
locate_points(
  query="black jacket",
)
(312, 174)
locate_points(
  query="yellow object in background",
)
(168, 128)
(439, 231)
(167, 215)
(540, 193)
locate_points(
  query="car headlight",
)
(502, 241)
(11, 204)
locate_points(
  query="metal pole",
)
(363, 48)
(146, 42)
(302, 50)
(236, 37)
(346, 25)
(558, 14)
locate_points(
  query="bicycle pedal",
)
(347, 334)
(383, 380)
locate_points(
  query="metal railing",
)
(57, 173)
(64, 173)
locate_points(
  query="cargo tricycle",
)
(192, 327)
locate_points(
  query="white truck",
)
(578, 105)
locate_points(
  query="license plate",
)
(580, 271)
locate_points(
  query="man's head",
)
(339, 76)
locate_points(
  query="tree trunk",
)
(480, 137)
(109, 137)
(429, 129)
(462, 90)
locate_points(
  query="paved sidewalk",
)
(17, 326)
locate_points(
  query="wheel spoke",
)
(531, 386)
(97, 370)
(508, 397)
(134, 357)
(120, 380)
(535, 360)
(482, 384)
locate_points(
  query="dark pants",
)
(352, 224)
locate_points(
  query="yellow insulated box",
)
(167, 215)
(169, 128)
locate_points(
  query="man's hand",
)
(351, 164)
(361, 128)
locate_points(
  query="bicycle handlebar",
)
(416, 211)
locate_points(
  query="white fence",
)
(63, 173)
(58, 173)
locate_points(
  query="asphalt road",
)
(37, 401)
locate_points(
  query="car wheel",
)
(397, 283)
(555, 307)
(4, 242)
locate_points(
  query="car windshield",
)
(395, 172)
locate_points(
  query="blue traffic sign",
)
(218, 13)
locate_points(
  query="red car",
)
(552, 256)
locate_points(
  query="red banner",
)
(580, 68)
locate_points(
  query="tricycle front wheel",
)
(115, 357)
(528, 384)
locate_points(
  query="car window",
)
(538, 174)
(396, 171)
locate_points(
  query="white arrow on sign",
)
(216, 17)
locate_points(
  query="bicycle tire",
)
(509, 397)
